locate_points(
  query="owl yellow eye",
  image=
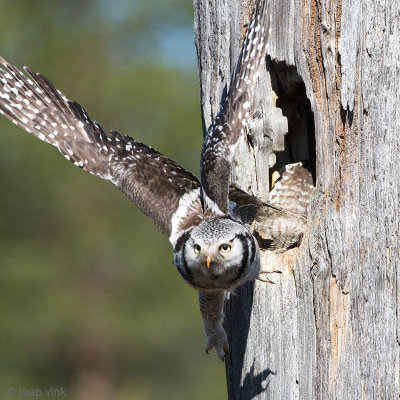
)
(225, 248)
(196, 248)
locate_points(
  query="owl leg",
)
(211, 308)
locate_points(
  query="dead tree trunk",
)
(330, 326)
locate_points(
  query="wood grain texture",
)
(330, 326)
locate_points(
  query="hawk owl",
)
(206, 222)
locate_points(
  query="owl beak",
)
(208, 260)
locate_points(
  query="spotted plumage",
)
(280, 224)
(207, 226)
(226, 270)
(292, 191)
(151, 180)
(223, 135)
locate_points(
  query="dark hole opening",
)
(296, 107)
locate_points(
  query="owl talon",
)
(264, 279)
(217, 339)
(263, 275)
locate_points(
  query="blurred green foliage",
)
(89, 299)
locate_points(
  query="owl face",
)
(220, 253)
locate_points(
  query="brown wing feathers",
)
(223, 135)
(154, 182)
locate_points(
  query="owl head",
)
(219, 253)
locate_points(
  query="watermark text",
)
(36, 393)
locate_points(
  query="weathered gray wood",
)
(330, 326)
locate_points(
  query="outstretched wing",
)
(281, 222)
(223, 135)
(163, 190)
(293, 190)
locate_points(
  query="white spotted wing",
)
(162, 189)
(281, 221)
(223, 135)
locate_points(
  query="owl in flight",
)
(206, 222)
